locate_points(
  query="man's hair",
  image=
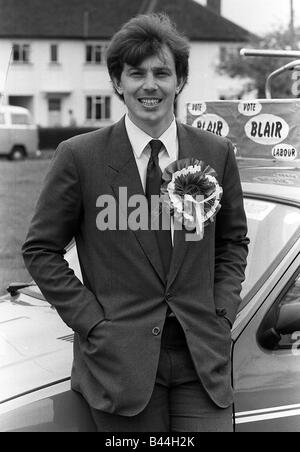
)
(145, 36)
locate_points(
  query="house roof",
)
(100, 19)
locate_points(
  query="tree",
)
(258, 68)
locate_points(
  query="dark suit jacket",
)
(124, 296)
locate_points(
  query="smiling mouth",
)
(150, 102)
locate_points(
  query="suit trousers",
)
(179, 403)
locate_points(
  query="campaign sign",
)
(265, 128)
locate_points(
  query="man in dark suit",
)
(153, 316)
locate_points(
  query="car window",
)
(292, 296)
(20, 119)
(279, 329)
(273, 228)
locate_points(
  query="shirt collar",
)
(139, 139)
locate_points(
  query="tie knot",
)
(156, 146)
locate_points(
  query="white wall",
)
(5, 52)
(204, 82)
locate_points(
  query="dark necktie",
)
(153, 184)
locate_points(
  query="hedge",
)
(50, 137)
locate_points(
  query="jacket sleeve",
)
(55, 222)
(231, 246)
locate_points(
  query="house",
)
(58, 47)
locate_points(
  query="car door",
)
(266, 364)
(5, 132)
(53, 408)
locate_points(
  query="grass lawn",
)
(20, 185)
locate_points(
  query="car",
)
(35, 365)
(266, 333)
(18, 134)
(36, 346)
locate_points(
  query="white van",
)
(18, 134)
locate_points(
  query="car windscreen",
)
(273, 228)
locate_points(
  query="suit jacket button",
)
(156, 331)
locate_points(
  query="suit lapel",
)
(122, 171)
(187, 149)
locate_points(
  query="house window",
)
(98, 107)
(223, 54)
(54, 112)
(229, 52)
(54, 104)
(54, 53)
(96, 53)
(21, 53)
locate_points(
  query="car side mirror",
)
(288, 321)
(283, 320)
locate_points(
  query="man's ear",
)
(118, 86)
(180, 84)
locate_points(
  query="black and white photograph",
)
(149, 218)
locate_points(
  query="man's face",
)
(149, 91)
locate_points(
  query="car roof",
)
(271, 180)
(286, 195)
(14, 109)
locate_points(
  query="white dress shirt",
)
(139, 141)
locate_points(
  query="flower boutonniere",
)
(192, 192)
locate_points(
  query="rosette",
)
(191, 190)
